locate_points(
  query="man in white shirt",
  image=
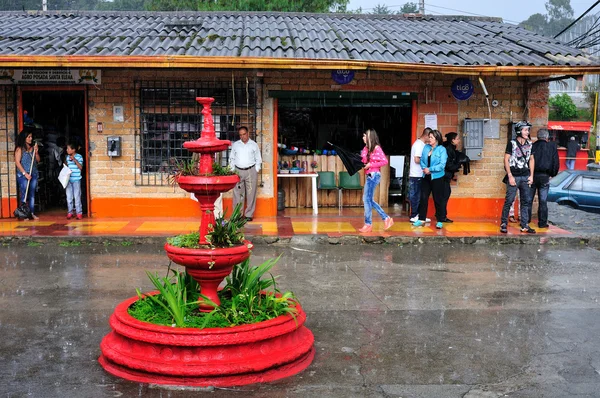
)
(415, 175)
(245, 159)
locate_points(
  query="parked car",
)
(576, 188)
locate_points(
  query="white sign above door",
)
(50, 76)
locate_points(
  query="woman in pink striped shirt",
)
(373, 158)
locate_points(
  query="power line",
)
(466, 12)
(575, 21)
(427, 5)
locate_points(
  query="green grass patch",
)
(70, 243)
(34, 244)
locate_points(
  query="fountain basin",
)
(221, 357)
(207, 185)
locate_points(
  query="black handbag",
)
(23, 211)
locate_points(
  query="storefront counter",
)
(581, 160)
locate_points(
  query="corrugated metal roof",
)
(425, 40)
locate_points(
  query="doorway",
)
(59, 117)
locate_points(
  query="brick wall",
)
(116, 177)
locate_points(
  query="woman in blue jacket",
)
(433, 163)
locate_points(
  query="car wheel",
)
(568, 204)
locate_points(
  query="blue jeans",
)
(570, 164)
(524, 194)
(74, 195)
(22, 183)
(414, 195)
(371, 183)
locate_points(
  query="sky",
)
(513, 11)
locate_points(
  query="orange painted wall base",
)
(487, 208)
(178, 207)
(8, 206)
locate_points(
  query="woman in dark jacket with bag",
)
(452, 166)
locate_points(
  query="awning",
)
(570, 126)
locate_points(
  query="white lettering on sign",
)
(76, 76)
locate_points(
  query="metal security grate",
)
(167, 115)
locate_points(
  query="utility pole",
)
(44, 5)
(421, 7)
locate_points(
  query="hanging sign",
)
(342, 76)
(50, 76)
(462, 88)
(431, 121)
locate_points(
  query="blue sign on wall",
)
(342, 76)
(462, 88)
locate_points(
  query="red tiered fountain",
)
(221, 357)
(208, 266)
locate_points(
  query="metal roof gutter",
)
(82, 61)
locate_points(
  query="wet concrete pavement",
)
(389, 321)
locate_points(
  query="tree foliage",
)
(562, 108)
(316, 6)
(381, 9)
(409, 8)
(559, 14)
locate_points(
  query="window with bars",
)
(167, 115)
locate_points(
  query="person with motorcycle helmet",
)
(519, 165)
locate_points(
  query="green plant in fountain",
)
(227, 233)
(249, 296)
(173, 294)
(219, 170)
(224, 233)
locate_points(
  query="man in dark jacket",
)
(452, 166)
(546, 167)
(572, 148)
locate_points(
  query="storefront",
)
(561, 133)
(133, 112)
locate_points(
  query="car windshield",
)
(560, 177)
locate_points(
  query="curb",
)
(263, 240)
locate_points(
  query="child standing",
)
(75, 164)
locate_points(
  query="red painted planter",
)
(209, 266)
(221, 357)
(207, 185)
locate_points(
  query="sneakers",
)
(80, 216)
(448, 220)
(439, 225)
(416, 218)
(418, 223)
(528, 230)
(503, 228)
(69, 216)
(543, 226)
(366, 228)
(387, 224)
